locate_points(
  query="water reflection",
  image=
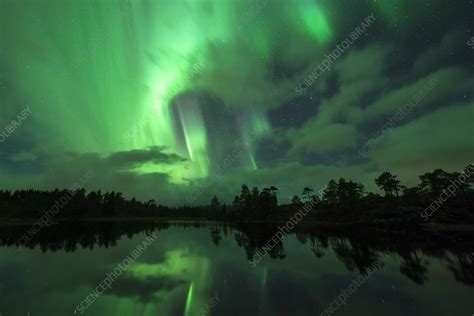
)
(190, 262)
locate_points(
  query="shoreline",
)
(325, 224)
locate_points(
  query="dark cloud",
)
(145, 290)
(126, 159)
(153, 154)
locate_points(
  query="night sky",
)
(156, 96)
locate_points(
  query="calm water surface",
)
(204, 270)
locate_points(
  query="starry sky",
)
(165, 100)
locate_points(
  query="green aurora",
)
(193, 78)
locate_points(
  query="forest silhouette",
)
(446, 197)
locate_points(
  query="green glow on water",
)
(189, 300)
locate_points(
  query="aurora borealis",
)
(153, 95)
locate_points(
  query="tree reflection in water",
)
(357, 250)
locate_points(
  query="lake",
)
(137, 268)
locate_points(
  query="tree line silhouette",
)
(340, 201)
(75, 204)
